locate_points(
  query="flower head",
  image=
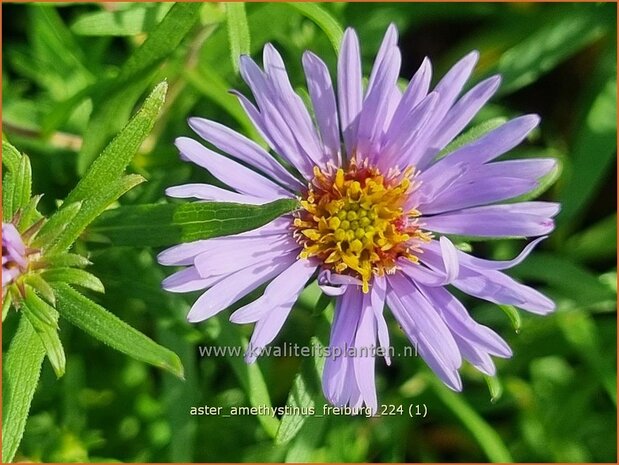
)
(376, 204)
(356, 221)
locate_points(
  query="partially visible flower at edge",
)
(14, 259)
(376, 206)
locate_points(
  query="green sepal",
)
(513, 315)
(494, 387)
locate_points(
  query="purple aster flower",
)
(376, 204)
(14, 261)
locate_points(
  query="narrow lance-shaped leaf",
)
(6, 305)
(20, 375)
(17, 188)
(208, 82)
(306, 445)
(103, 184)
(29, 214)
(161, 42)
(238, 32)
(593, 153)
(111, 164)
(64, 260)
(487, 438)
(599, 241)
(57, 223)
(41, 286)
(305, 393)
(74, 276)
(323, 19)
(23, 184)
(559, 37)
(251, 378)
(10, 156)
(178, 396)
(8, 186)
(168, 224)
(113, 99)
(44, 320)
(103, 325)
(134, 20)
(11, 159)
(571, 280)
(580, 331)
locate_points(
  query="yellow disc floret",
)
(356, 220)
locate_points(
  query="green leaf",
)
(251, 378)
(10, 156)
(65, 260)
(73, 276)
(210, 84)
(514, 316)
(6, 305)
(19, 189)
(41, 286)
(114, 98)
(597, 242)
(44, 320)
(56, 224)
(92, 209)
(305, 393)
(168, 224)
(487, 438)
(178, 396)
(30, 215)
(135, 20)
(23, 184)
(103, 183)
(63, 110)
(472, 135)
(161, 42)
(561, 36)
(593, 153)
(8, 187)
(12, 160)
(323, 19)
(238, 32)
(103, 325)
(571, 280)
(580, 330)
(58, 60)
(115, 158)
(322, 303)
(20, 375)
(308, 440)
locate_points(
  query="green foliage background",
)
(73, 74)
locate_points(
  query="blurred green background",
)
(558, 400)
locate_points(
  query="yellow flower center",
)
(356, 221)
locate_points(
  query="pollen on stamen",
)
(356, 221)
